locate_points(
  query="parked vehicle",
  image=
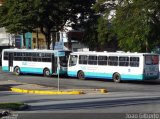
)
(33, 61)
(117, 66)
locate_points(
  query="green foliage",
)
(132, 26)
(15, 17)
(20, 16)
(136, 22)
(106, 35)
(90, 33)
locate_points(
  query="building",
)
(4, 38)
(70, 39)
(38, 40)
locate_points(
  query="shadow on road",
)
(7, 87)
(146, 82)
(149, 82)
(95, 104)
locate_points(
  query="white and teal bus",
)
(34, 61)
(114, 65)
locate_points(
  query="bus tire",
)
(46, 72)
(81, 75)
(117, 77)
(17, 71)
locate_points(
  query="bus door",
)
(54, 64)
(10, 62)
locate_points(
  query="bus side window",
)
(123, 61)
(46, 57)
(83, 59)
(92, 60)
(73, 60)
(134, 61)
(113, 61)
(102, 60)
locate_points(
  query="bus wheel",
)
(116, 77)
(46, 72)
(17, 71)
(81, 75)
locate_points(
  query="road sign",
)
(59, 46)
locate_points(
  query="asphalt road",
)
(71, 83)
(123, 98)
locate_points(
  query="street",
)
(126, 97)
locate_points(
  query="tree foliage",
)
(90, 33)
(98, 34)
(106, 35)
(48, 15)
(16, 16)
(136, 22)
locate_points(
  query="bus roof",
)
(119, 53)
(33, 50)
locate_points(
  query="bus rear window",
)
(155, 59)
(150, 60)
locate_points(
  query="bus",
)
(157, 51)
(20, 61)
(117, 66)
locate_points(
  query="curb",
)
(46, 92)
(56, 92)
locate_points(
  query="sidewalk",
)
(20, 87)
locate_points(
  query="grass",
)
(13, 106)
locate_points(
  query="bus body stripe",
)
(109, 75)
(34, 70)
(5, 68)
(31, 70)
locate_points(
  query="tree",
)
(98, 33)
(136, 32)
(136, 22)
(90, 37)
(53, 15)
(16, 15)
(106, 37)
(48, 15)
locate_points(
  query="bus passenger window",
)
(83, 59)
(102, 60)
(73, 60)
(113, 61)
(134, 61)
(92, 60)
(123, 61)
